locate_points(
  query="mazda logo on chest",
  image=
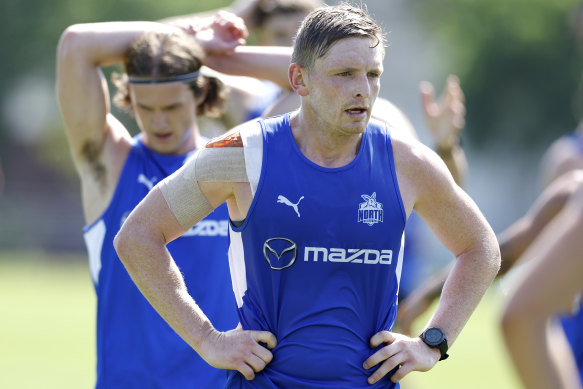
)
(280, 253)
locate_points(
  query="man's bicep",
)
(184, 197)
(152, 220)
(206, 181)
(82, 92)
(453, 216)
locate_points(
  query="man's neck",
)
(325, 146)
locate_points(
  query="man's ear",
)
(200, 97)
(298, 79)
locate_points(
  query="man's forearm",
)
(155, 273)
(265, 62)
(105, 44)
(468, 280)
(141, 246)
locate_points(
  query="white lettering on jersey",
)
(209, 228)
(366, 256)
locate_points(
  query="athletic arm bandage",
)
(182, 192)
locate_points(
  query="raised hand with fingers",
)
(445, 116)
(217, 34)
(239, 350)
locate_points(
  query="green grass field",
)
(47, 326)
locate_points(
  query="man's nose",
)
(159, 120)
(362, 86)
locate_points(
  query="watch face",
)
(433, 336)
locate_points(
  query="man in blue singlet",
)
(165, 92)
(318, 200)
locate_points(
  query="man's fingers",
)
(381, 337)
(265, 337)
(384, 369)
(264, 354)
(256, 363)
(453, 86)
(428, 98)
(401, 372)
(247, 371)
(378, 357)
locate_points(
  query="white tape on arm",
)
(182, 192)
(183, 195)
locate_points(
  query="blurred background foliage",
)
(519, 62)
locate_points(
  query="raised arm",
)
(99, 143)
(445, 119)
(264, 62)
(81, 87)
(553, 260)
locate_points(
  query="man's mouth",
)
(356, 111)
(163, 136)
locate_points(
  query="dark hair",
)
(157, 54)
(324, 26)
(262, 10)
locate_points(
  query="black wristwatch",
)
(435, 338)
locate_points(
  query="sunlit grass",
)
(47, 322)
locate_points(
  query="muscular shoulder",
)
(420, 171)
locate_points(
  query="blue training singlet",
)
(135, 346)
(317, 261)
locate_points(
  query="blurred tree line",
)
(519, 62)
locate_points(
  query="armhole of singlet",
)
(391, 156)
(254, 153)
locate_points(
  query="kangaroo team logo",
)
(371, 211)
(284, 200)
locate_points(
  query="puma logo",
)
(284, 200)
(142, 179)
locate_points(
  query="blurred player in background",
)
(548, 244)
(163, 88)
